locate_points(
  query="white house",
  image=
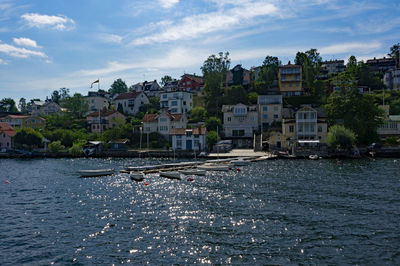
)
(240, 123)
(131, 102)
(163, 123)
(150, 88)
(176, 102)
(97, 103)
(270, 110)
(48, 107)
(189, 139)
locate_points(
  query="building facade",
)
(290, 80)
(45, 108)
(189, 139)
(238, 76)
(97, 103)
(131, 102)
(381, 64)
(190, 83)
(106, 120)
(19, 121)
(392, 79)
(270, 110)
(333, 66)
(163, 123)
(6, 133)
(176, 102)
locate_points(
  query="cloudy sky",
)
(49, 44)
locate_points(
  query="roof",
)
(182, 131)
(103, 113)
(6, 128)
(198, 79)
(127, 95)
(174, 117)
(18, 116)
(150, 118)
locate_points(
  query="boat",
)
(171, 175)
(214, 167)
(313, 157)
(137, 176)
(193, 172)
(240, 162)
(96, 172)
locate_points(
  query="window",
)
(319, 128)
(165, 96)
(174, 110)
(265, 108)
(276, 116)
(178, 143)
(276, 108)
(265, 116)
(238, 133)
(163, 119)
(174, 103)
(188, 133)
(312, 128)
(229, 119)
(291, 129)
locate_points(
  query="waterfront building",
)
(19, 121)
(238, 76)
(189, 138)
(270, 110)
(48, 107)
(176, 102)
(106, 120)
(392, 79)
(382, 64)
(240, 123)
(163, 123)
(290, 80)
(97, 103)
(6, 132)
(333, 66)
(190, 83)
(131, 102)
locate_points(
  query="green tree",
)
(252, 97)
(269, 71)
(356, 111)
(395, 53)
(77, 148)
(213, 123)
(56, 146)
(351, 66)
(28, 138)
(198, 114)
(8, 105)
(311, 64)
(366, 77)
(165, 80)
(212, 139)
(76, 105)
(22, 106)
(235, 94)
(118, 86)
(340, 137)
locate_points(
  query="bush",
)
(340, 137)
(28, 137)
(392, 141)
(211, 138)
(56, 146)
(77, 148)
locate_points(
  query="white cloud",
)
(195, 26)
(110, 38)
(168, 3)
(2, 62)
(25, 42)
(350, 47)
(19, 52)
(54, 22)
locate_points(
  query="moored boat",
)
(138, 176)
(193, 172)
(214, 167)
(313, 157)
(171, 175)
(240, 162)
(96, 172)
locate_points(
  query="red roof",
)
(150, 118)
(128, 95)
(103, 113)
(182, 131)
(6, 128)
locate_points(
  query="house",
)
(333, 66)
(176, 102)
(119, 145)
(6, 132)
(290, 80)
(131, 102)
(270, 110)
(48, 107)
(238, 76)
(172, 85)
(150, 88)
(19, 121)
(392, 79)
(189, 139)
(304, 127)
(391, 124)
(163, 123)
(255, 71)
(381, 64)
(190, 83)
(106, 119)
(97, 103)
(240, 124)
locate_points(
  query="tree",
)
(235, 94)
(213, 123)
(269, 71)
(340, 137)
(22, 106)
(165, 80)
(8, 105)
(76, 105)
(118, 86)
(395, 53)
(120, 108)
(351, 66)
(211, 138)
(311, 63)
(56, 146)
(271, 61)
(252, 98)
(28, 137)
(356, 111)
(58, 96)
(366, 77)
(198, 114)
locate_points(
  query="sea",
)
(283, 212)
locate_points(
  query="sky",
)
(50, 44)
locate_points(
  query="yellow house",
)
(290, 80)
(306, 126)
(19, 121)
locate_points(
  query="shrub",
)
(76, 148)
(340, 137)
(56, 146)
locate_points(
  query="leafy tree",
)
(357, 111)
(311, 63)
(395, 53)
(368, 78)
(152, 107)
(120, 108)
(340, 137)
(351, 66)
(58, 96)
(8, 105)
(211, 138)
(165, 80)
(252, 98)
(320, 91)
(22, 106)
(76, 105)
(198, 114)
(118, 86)
(235, 94)
(77, 148)
(213, 123)
(28, 137)
(56, 146)
(269, 72)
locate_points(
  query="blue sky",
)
(49, 44)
